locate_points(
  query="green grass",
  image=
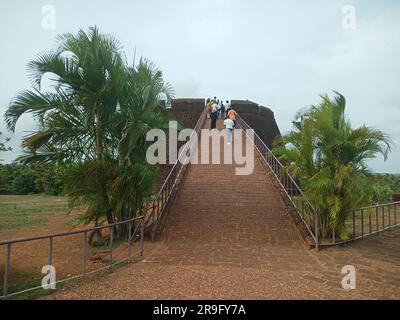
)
(30, 295)
(17, 215)
(116, 243)
(40, 292)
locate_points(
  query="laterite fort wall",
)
(261, 119)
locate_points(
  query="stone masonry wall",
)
(260, 118)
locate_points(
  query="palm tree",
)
(76, 118)
(328, 157)
(86, 71)
(96, 117)
(140, 112)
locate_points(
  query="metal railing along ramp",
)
(359, 224)
(134, 225)
(154, 213)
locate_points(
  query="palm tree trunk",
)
(99, 140)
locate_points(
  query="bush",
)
(20, 179)
(392, 180)
(7, 173)
(382, 193)
(25, 182)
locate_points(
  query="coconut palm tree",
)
(328, 157)
(95, 116)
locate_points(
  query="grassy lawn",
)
(25, 211)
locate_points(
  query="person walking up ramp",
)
(229, 125)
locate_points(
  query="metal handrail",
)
(370, 220)
(303, 206)
(380, 205)
(174, 177)
(131, 232)
(66, 233)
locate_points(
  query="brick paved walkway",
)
(229, 237)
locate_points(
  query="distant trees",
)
(22, 179)
(328, 157)
(3, 144)
(384, 186)
(95, 119)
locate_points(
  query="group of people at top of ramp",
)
(223, 110)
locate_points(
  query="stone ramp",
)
(229, 237)
(220, 218)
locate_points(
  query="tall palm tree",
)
(96, 116)
(328, 157)
(74, 119)
(86, 71)
(140, 112)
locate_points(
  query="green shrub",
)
(382, 193)
(25, 182)
(20, 179)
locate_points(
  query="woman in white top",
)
(229, 125)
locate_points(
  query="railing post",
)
(154, 211)
(142, 237)
(362, 223)
(84, 258)
(285, 180)
(316, 231)
(383, 217)
(354, 224)
(390, 225)
(377, 219)
(111, 248)
(129, 238)
(7, 270)
(291, 188)
(370, 220)
(50, 258)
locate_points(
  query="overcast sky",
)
(281, 54)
